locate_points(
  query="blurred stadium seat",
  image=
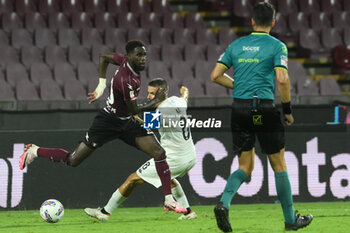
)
(319, 20)
(205, 36)
(31, 54)
(58, 20)
(161, 36)
(54, 54)
(11, 21)
(173, 21)
(15, 72)
(68, 37)
(34, 21)
(150, 20)
(63, 72)
(226, 36)
(81, 20)
(50, 90)
(184, 36)
(94, 6)
(25, 6)
(90, 37)
(87, 71)
(139, 6)
(74, 90)
(117, 6)
(104, 20)
(78, 54)
(329, 86)
(72, 6)
(26, 90)
(40, 71)
(49, 6)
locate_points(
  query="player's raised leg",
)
(150, 145)
(32, 151)
(292, 220)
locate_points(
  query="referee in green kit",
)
(256, 60)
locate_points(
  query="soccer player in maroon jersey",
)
(115, 120)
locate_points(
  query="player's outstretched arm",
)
(105, 59)
(184, 93)
(218, 76)
(136, 108)
(283, 83)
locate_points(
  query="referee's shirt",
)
(254, 59)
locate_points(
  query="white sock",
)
(180, 196)
(114, 202)
(169, 197)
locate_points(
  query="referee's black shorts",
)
(107, 127)
(263, 121)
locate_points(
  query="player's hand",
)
(288, 119)
(183, 89)
(136, 117)
(160, 94)
(92, 97)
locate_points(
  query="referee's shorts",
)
(262, 120)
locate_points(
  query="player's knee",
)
(248, 169)
(72, 162)
(159, 152)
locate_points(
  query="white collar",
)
(132, 69)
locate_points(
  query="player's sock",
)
(103, 211)
(180, 196)
(284, 193)
(163, 171)
(233, 183)
(188, 211)
(54, 154)
(114, 202)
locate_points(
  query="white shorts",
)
(178, 168)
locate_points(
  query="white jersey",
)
(175, 139)
(175, 136)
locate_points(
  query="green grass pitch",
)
(328, 217)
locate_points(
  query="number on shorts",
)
(146, 165)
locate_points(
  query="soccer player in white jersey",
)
(176, 141)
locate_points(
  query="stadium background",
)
(49, 62)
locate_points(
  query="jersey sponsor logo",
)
(151, 120)
(249, 60)
(284, 49)
(284, 60)
(132, 95)
(129, 86)
(250, 48)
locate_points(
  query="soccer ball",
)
(51, 210)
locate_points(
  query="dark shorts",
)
(263, 122)
(107, 127)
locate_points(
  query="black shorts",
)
(263, 121)
(107, 127)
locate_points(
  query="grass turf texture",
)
(328, 217)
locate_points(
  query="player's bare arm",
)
(284, 90)
(184, 93)
(136, 117)
(136, 108)
(218, 76)
(105, 59)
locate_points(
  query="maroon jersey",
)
(125, 86)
